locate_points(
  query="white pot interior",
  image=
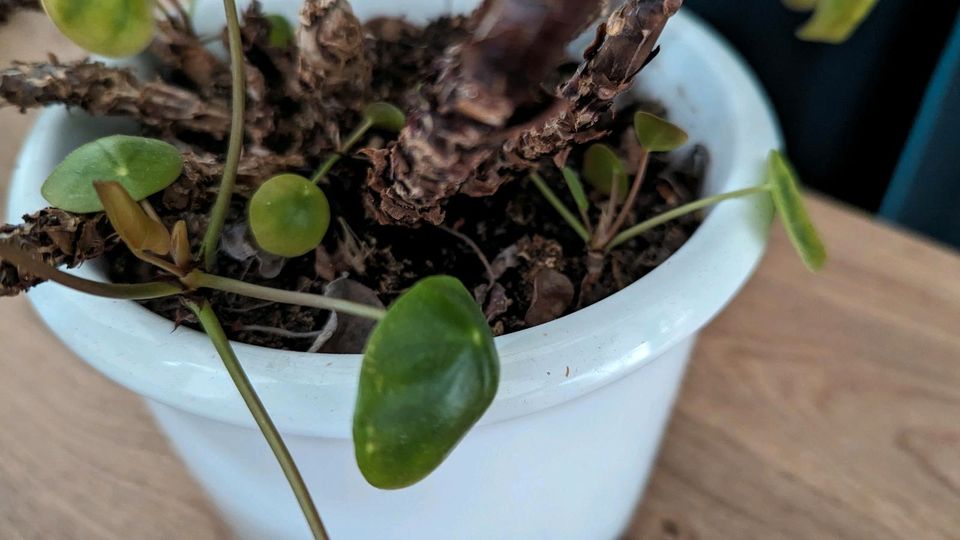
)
(708, 91)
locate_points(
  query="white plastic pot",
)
(565, 450)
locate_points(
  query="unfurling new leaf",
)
(180, 246)
(137, 230)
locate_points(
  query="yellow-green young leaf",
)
(281, 33)
(137, 230)
(385, 116)
(180, 246)
(115, 28)
(656, 134)
(289, 215)
(601, 166)
(142, 166)
(834, 21)
(429, 372)
(785, 190)
(801, 5)
(576, 188)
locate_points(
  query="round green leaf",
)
(656, 134)
(281, 33)
(289, 215)
(601, 166)
(114, 28)
(429, 373)
(784, 187)
(142, 166)
(385, 116)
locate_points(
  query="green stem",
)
(348, 144)
(202, 280)
(561, 208)
(136, 291)
(641, 228)
(211, 325)
(218, 216)
(642, 164)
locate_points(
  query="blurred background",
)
(874, 122)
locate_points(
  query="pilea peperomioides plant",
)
(430, 368)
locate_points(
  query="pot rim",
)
(542, 366)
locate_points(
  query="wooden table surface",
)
(816, 406)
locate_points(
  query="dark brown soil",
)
(518, 233)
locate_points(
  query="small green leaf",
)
(385, 116)
(281, 33)
(834, 21)
(142, 166)
(576, 188)
(114, 28)
(785, 190)
(656, 134)
(289, 215)
(601, 166)
(429, 373)
(137, 230)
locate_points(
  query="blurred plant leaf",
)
(576, 188)
(788, 199)
(281, 33)
(289, 215)
(429, 372)
(385, 116)
(834, 21)
(142, 166)
(114, 28)
(601, 166)
(656, 134)
(801, 5)
(137, 230)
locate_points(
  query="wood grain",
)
(816, 406)
(79, 457)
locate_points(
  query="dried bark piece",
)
(454, 147)
(7, 7)
(623, 46)
(59, 238)
(514, 45)
(497, 302)
(271, 77)
(179, 50)
(108, 91)
(552, 296)
(333, 62)
(403, 53)
(465, 113)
